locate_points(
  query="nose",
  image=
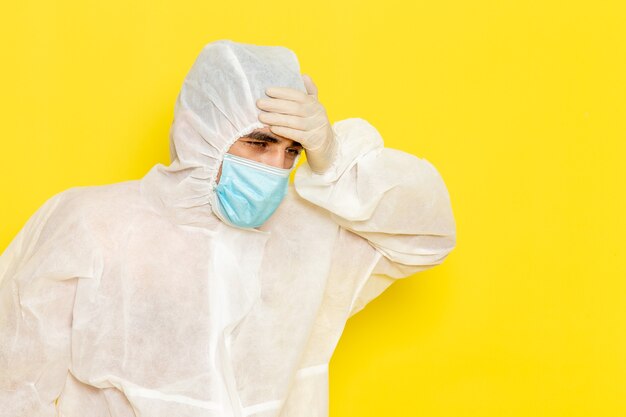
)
(276, 158)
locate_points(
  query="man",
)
(212, 287)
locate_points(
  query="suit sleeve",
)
(36, 302)
(396, 201)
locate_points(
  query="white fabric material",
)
(134, 299)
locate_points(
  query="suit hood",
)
(216, 106)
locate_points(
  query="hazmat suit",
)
(135, 299)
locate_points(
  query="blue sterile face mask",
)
(249, 192)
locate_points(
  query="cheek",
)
(240, 149)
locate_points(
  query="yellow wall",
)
(521, 105)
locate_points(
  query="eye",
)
(294, 151)
(256, 144)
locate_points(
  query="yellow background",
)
(521, 105)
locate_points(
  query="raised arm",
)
(395, 200)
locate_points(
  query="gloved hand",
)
(299, 116)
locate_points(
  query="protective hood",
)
(215, 106)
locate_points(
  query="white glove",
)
(299, 116)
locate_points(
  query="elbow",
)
(450, 244)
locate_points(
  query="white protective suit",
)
(134, 299)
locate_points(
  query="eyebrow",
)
(266, 138)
